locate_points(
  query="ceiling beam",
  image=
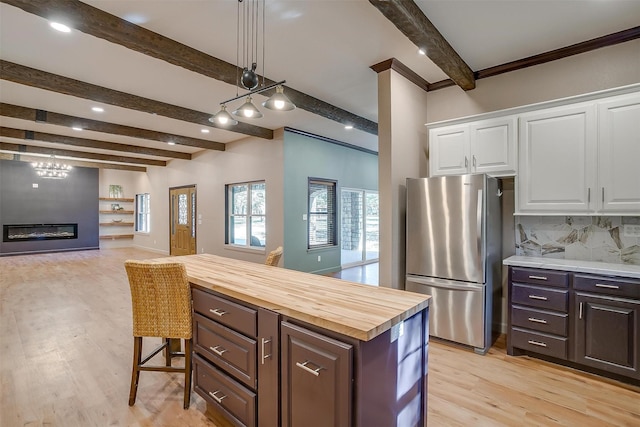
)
(21, 148)
(98, 23)
(21, 157)
(32, 114)
(413, 23)
(552, 55)
(69, 140)
(55, 83)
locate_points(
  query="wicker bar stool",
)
(274, 256)
(161, 305)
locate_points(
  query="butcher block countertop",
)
(352, 309)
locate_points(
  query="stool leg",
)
(167, 351)
(187, 373)
(135, 372)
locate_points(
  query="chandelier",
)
(51, 169)
(250, 22)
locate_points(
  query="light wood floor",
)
(66, 348)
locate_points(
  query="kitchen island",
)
(280, 347)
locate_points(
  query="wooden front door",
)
(182, 216)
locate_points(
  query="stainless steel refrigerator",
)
(453, 254)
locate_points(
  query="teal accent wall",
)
(306, 157)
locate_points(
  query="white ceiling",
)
(323, 48)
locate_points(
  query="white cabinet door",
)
(449, 150)
(557, 170)
(619, 155)
(493, 146)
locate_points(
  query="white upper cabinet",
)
(581, 158)
(556, 172)
(486, 146)
(449, 150)
(619, 154)
(493, 146)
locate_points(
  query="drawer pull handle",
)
(538, 277)
(538, 343)
(304, 366)
(533, 319)
(538, 297)
(602, 285)
(217, 312)
(264, 356)
(216, 398)
(218, 352)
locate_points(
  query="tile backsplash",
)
(584, 238)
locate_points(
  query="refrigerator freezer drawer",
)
(456, 312)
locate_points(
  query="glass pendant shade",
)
(223, 117)
(279, 101)
(248, 110)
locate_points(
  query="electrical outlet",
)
(319, 258)
(631, 230)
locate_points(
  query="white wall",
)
(250, 159)
(402, 139)
(601, 69)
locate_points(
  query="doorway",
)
(359, 222)
(182, 218)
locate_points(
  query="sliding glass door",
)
(359, 226)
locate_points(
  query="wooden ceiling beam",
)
(89, 143)
(55, 83)
(42, 116)
(21, 148)
(413, 23)
(98, 23)
(21, 157)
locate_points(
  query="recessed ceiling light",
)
(78, 128)
(60, 27)
(97, 109)
(348, 127)
(171, 143)
(204, 130)
(422, 51)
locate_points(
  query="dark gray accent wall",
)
(306, 157)
(54, 201)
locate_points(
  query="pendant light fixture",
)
(51, 169)
(250, 23)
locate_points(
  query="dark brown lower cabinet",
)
(258, 368)
(607, 334)
(587, 321)
(316, 379)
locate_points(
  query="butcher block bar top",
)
(352, 309)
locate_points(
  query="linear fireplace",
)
(26, 232)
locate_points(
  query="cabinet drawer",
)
(539, 343)
(540, 277)
(231, 398)
(228, 313)
(538, 320)
(621, 287)
(228, 349)
(536, 296)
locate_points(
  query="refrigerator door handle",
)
(446, 284)
(479, 231)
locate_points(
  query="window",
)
(322, 213)
(246, 214)
(143, 223)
